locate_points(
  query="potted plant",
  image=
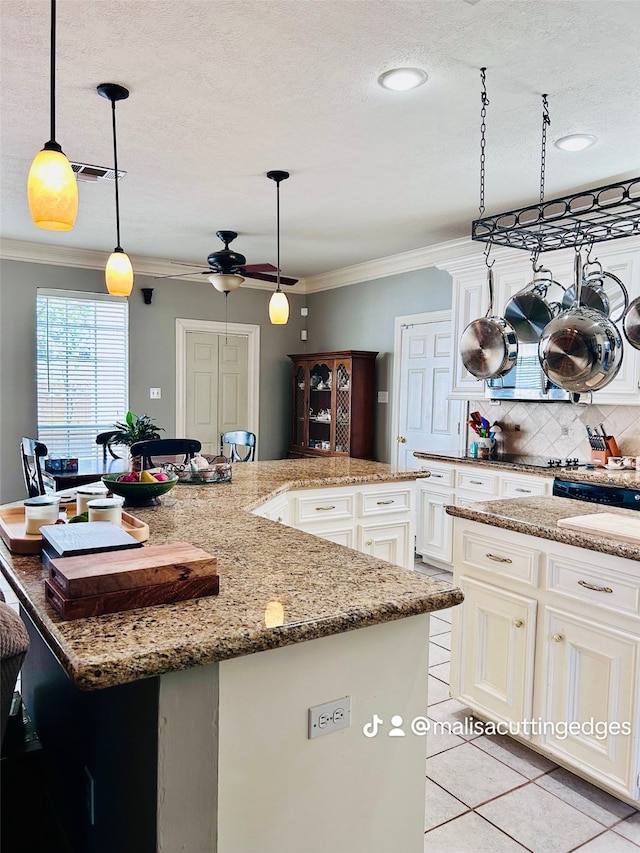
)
(134, 428)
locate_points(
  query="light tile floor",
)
(491, 793)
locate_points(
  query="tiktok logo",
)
(371, 729)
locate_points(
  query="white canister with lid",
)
(40, 510)
(106, 509)
(84, 494)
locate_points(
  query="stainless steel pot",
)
(528, 311)
(631, 323)
(489, 345)
(581, 349)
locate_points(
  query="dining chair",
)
(188, 447)
(239, 438)
(37, 481)
(104, 438)
(14, 643)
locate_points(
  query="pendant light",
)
(52, 189)
(118, 272)
(278, 304)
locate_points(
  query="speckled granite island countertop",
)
(324, 588)
(539, 517)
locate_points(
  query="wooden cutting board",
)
(129, 599)
(111, 571)
(607, 524)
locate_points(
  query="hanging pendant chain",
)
(483, 131)
(546, 121)
(115, 161)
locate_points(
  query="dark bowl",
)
(139, 494)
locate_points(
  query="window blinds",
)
(82, 368)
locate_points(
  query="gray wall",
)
(152, 352)
(361, 316)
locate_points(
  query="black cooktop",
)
(538, 461)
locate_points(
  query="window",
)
(82, 368)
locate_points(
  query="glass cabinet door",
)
(343, 408)
(320, 397)
(299, 404)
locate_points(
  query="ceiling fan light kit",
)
(119, 270)
(278, 304)
(224, 282)
(52, 190)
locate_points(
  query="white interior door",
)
(427, 420)
(216, 383)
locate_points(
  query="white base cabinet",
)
(377, 519)
(547, 640)
(462, 485)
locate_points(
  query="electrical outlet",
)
(89, 796)
(155, 393)
(303, 334)
(330, 717)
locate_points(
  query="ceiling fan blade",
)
(181, 274)
(183, 264)
(259, 268)
(268, 277)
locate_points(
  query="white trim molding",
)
(253, 367)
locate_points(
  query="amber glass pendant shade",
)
(278, 308)
(52, 191)
(118, 274)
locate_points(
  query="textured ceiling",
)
(221, 92)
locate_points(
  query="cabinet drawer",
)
(499, 557)
(316, 507)
(382, 501)
(596, 587)
(482, 483)
(442, 477)
(523, 487)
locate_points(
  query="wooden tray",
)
(129, 599)
(622, 528)
(112, 571)
(16, 540)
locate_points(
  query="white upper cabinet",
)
(513, 271)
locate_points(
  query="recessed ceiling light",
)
(402, 79)
(576, 142)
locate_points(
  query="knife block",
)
(600, 456)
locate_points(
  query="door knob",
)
(401, 439)
(369, 542)
(518, 623)
(557, 638)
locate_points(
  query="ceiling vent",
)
(86, 172)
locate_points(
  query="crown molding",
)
(65, 256)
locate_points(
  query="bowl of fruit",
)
(140, 488)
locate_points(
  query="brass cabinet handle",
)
(369, 542)
(498, 559)
(595, 588)
(518, 623)
(384, 503)
(324, 508)
(557, 638)
(401, 439)
(526, 491)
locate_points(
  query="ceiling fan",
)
(228, 269)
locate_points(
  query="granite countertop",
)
(324, 588)
(539, 517)
(618, 477)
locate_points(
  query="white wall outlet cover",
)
(330, 717)
(155, 393)
(303, 334)
(304, 312)
(383, 396)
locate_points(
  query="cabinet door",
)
(300, 405)
(390, 542)
(434, 536)
(470, 299)
(590, 676)
(492, 651)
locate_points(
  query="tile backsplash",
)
(558, 429)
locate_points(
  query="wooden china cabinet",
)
(333, 404)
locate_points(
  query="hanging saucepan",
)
(581, 349)
(593, 294)
(631, 323)
(528, 311)
(489, 345)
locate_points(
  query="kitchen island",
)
(547, 641)
(185, 727)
